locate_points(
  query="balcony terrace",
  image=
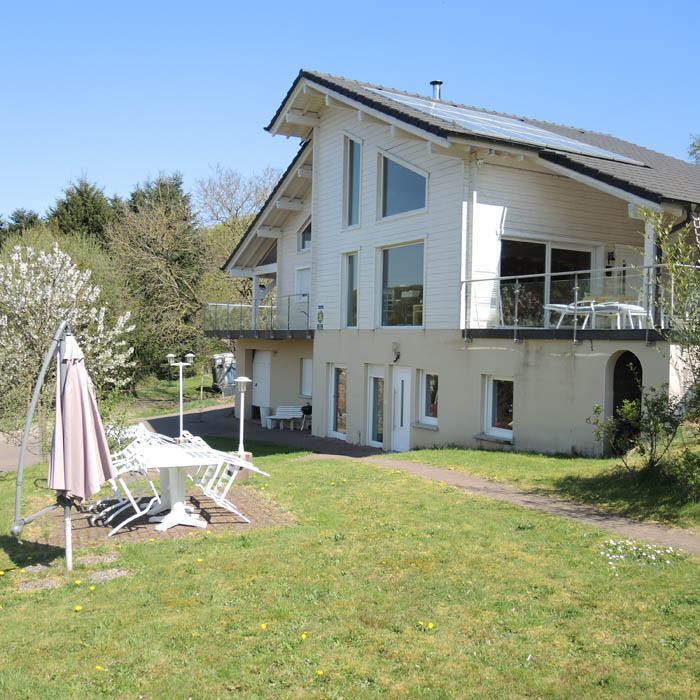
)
(286, 317)
(632, 302)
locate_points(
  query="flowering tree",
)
(38, 290)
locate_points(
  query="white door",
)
(401, 429)
(261, 378)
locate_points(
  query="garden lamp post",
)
(188, 361)
(242, 383)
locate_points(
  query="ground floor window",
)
(339, 416)
(305, 376)
(428, 398)
(375, 406)
(498, 419)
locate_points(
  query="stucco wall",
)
(284, 369)
(556, 384)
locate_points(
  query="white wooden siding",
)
(538, 203)
(439, 225)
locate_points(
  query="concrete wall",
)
(556, 384)
(285, 369)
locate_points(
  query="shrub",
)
(684, 470)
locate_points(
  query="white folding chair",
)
(219, 487)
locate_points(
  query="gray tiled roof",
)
(661, 177)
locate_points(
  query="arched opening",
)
(627, 386)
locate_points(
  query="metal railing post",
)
(575, 340)
(515, 319)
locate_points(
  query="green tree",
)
(694, 149)
(83, 210)
(157, 245)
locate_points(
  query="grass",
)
(522, 604)
(601, 482)
(155, 397)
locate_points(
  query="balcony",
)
(286, 317)
(634, 302)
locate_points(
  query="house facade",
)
(430, 274)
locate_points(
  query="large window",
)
(402, 189)
(428, 398)
(402, 286)
(520, 258)
(351, 290)
(498, 419)
(352, 182)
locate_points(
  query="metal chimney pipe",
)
(436, 88)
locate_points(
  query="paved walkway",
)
(222, 422)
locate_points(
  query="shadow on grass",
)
(24, 553)
(632, 495)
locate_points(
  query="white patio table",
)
(174, 460)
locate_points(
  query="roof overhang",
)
(291, 195)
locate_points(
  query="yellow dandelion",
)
(303, 635)
(430, 625)
(78, 582)
(200, 560)
(78, 608)
(21, 571)
(190, 533)
(420, 623)
(319, 673)
(263, 626)
(0, 607)
(195, 634)
(153, 539)
(92, 588)
(99, 668)
(208, 532)
(345, 481)
(2, 573)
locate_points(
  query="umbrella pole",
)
(69, 537)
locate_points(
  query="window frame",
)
(302, 360)
(345, 279)
(381, 157)
(331, 400)
(424, 418)
(374, 372)
(379, 306)
(490, 430)
(347, 139)
(300, 234)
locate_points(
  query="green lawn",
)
(387, 586)
(601, 482)
(154, 397)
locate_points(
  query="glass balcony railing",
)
(615, 298)
(290, 313)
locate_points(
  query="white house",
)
(445, 275)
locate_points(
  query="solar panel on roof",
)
(499, 127)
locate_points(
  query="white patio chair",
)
(219, 487)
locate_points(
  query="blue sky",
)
(118, 92)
